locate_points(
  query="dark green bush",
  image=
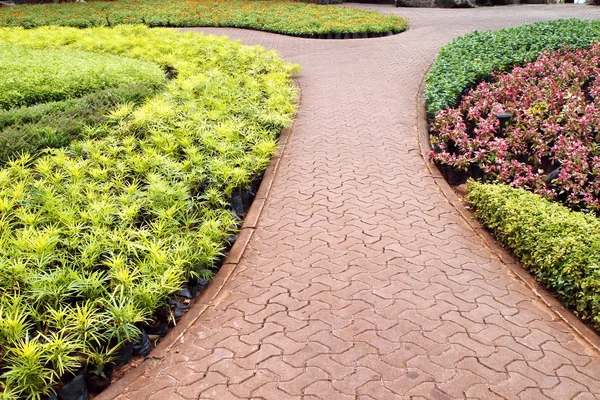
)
(55, 124)
(473, 57)
(559, 246)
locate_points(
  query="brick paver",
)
(361, 281)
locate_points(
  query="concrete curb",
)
(587, 335)
(213, 290)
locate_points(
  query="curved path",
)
(361, 280)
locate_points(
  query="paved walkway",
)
(361, 281)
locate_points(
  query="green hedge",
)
(473, 57)
(559, 246)
(32, 76)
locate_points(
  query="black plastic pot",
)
(75, 388)
(124, 355)
(454, 176)
(97, 383)
(142, 346)
(159, 328)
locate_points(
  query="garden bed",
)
(507, 114)
(107, 239)
(278, 16)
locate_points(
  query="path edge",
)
(214, 288)
(586, 334)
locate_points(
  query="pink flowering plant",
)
(551, 141)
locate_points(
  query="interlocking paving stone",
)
(361, 280)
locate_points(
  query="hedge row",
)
(33, 76)
(473, 57)
(559, 246)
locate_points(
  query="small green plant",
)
(123, 314)
(27, 372)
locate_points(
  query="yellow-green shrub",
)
(559, 246)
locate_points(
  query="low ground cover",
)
(473, 57)
(55, 124)
(33, 76)
(96, 237)
(287, 17)
(559, 246)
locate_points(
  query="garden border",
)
(213, 290)
(584, 332)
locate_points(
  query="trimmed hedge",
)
(34, 76)
(278, 16)
(559, 246)
(473, 57)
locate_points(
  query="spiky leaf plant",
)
(96, 236)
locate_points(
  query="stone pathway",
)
(361, 280)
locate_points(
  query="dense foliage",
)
(473, 57)
(280, 16)
(34, 128)
(95, 237)
(551, 146)
(49, 96)
(32, 76)
(559, 246)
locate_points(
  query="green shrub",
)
(51, 125)
(95, 237)
(473, 57)
(559, 246)
(32, 76)
(279, 16)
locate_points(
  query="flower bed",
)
(473, 57)
(535, 127)
(549, 146)
(279, 16)
(110, 236)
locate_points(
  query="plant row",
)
(549, 143)
(31, 129)
(559, 246)
(32, 76)
(473, 57)
(279, 16)
(98, 239)
(49, 96)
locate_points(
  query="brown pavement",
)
(361, 281)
